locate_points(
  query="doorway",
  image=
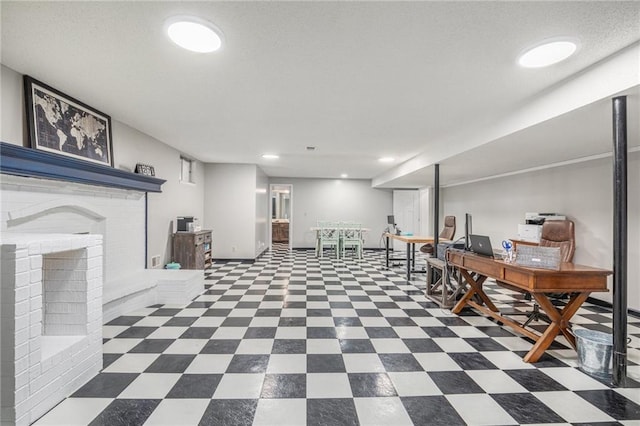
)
(281, 196)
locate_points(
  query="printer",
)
(531, 230)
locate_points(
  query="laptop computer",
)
(481, 244)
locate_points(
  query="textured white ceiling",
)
(357, 80)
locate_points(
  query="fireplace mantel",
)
(20, 161)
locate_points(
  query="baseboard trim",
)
(604, 304)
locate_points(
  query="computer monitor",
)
(391, 220)
(467, 231)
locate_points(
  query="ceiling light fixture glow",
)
(270, 156)
(386, 159)
(344, 176)
(548, 53)
(194, 34)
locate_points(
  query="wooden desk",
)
(578, 280)
(411, 249)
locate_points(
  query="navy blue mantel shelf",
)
(20, 161)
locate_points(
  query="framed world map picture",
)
(63, 125)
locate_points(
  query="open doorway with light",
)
(281, 215)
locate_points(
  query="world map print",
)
(67, 128)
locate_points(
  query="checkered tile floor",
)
(295, 340)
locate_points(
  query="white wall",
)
(230, 209)
(340, 200)
(130, 146)
(583, 192)
(263, 218)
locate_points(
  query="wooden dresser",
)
(192, 250)
(280, 232)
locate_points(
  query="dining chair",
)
(328, 235)
(351, 233)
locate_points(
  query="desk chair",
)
(447, 233)
(555, 233)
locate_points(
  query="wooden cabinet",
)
(192, 250)
(280, 232)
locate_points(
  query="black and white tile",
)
(292, 340)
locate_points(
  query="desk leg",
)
(408, 261)
(386, 249)
(559, 323)
(413, 256)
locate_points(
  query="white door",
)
(406, 209)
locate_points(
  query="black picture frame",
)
(62, 125)
(145, 169)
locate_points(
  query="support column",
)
(436, 208)
(619, 241)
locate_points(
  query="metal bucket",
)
(594, 352)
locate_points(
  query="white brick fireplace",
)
(51, 310)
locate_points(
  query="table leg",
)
(386, 249)
(413, 255)
(559, 323)
(408, 261)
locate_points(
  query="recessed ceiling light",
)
(270, 156)
(344, 176)
(193, 33)
(386, 159)
(548, 53)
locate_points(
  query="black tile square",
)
(230, 298)
(268, 312)
(421, 345)
(381, 332)
(166, 363)
(318, 312)
(400, 362)
(356, 346)
(496, 331)
(180, 322)
(401, 322)
(294, 305)
(195, 386)
(105, 385)
(439, 332)
(454, 382)
(453, 321)
(431, 410)
(248, 364)
(151, 346)
(526, 408)
(484, 344)
(612, 403)
(292, 322)
(289, 346)
(340, 305)
(108, 359)
(472, 361)
(325, 363)
(125, 320)
(417, 313)
(247, 305)
(360, 298)
(198, 333)
(369, 385)
(213, 312)
(236, 322)
(284, 386)
(225, 412)
(535, 380)
(347, 322)
(220, 346)
(165, 312)
(321, 333)
(368, 313)
(126, 412)
(200, 305)
(332, 412)
(136, 332)
(260, 333)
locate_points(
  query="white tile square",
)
(167, 333)
(374, 322)
(572, 407)
(495, 381)
(239, 386)
(467, 331)
(328, 385)
(320, 322)
(506, 360)
(119, 346)
(415, 383)
(255, 346)
(454, 344)
(436, 361)
(573, 379)
(427, 321)
(131, 363)
(209, 364)
(287, 363)
(152, 322)
(289, 412)
(242, 313)
(181, 411)
(390, 346)
(111, 331)
(480, 409)
(363, 363)
(323, 346)
(291, 333)
(411, 333)
(191, 312)
(208, 322)
(264, 322)
(150, 386)
(74, 412)
(229, 333)
(381, 411)
(351, 333)
(186, 346)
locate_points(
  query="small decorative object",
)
(145, 169)
(508, 254)
(63, 125)
(538, 257)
